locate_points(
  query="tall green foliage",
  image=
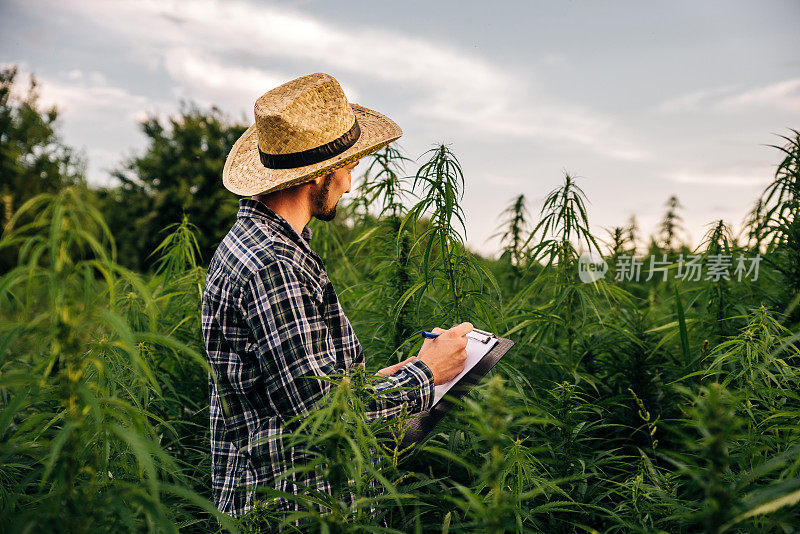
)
(178, 173)
(512, 232)
(657, 406)
(671, 224)
(563, 228)
(445, 260)
(82, 421)
(779, 224)
(33, 159)
(383, 191)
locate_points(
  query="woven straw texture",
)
(299, 115)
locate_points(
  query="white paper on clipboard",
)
(476, 350)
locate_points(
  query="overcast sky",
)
(640, 100)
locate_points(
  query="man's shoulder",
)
(250, 248)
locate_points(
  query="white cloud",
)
(731, 178)
(88, 103)
(22, 81)
(694, 101)
(79, 94)
(75, 99)
(93, 77)
(551, 59)
(212, 81)
(784, 96)
(504, 180)
(232, 52)
(101, 163)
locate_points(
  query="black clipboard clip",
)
(481, 336)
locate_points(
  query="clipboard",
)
(420, 425)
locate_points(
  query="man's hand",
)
(445, 355)
(392, 369)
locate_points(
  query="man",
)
(271, 318)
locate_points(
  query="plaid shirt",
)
(271, 319)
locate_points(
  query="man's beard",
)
(321, 198)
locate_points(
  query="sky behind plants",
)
(639, 100)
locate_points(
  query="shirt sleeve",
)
(294, 345)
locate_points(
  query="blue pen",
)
(483, 337)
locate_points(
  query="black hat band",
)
(312, 155)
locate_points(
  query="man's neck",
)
(292, 207)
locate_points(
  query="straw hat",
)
(304, 128)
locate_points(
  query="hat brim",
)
(245, 175)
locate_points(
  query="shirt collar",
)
(250, 208)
